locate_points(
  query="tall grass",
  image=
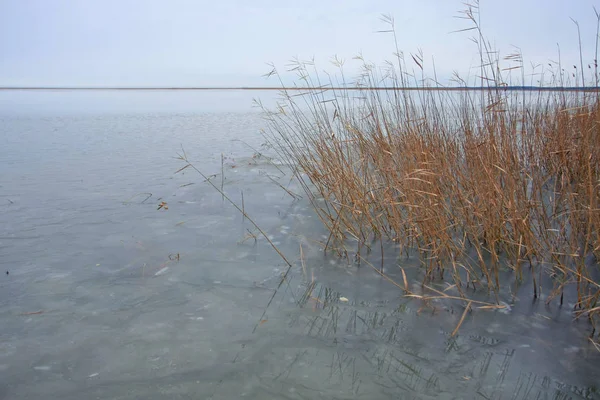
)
(478, 182)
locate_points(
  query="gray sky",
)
(196, 42)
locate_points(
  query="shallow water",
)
(108, 296)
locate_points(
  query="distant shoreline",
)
(467, 88)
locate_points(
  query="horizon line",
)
(296, 88)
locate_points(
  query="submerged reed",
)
(479, 182)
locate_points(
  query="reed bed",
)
(479, 182)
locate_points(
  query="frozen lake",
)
(104, 295)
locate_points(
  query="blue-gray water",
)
(109, 297)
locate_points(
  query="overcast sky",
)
(228, 43)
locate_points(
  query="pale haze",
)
(229, 43)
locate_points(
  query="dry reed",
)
(479, 182)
